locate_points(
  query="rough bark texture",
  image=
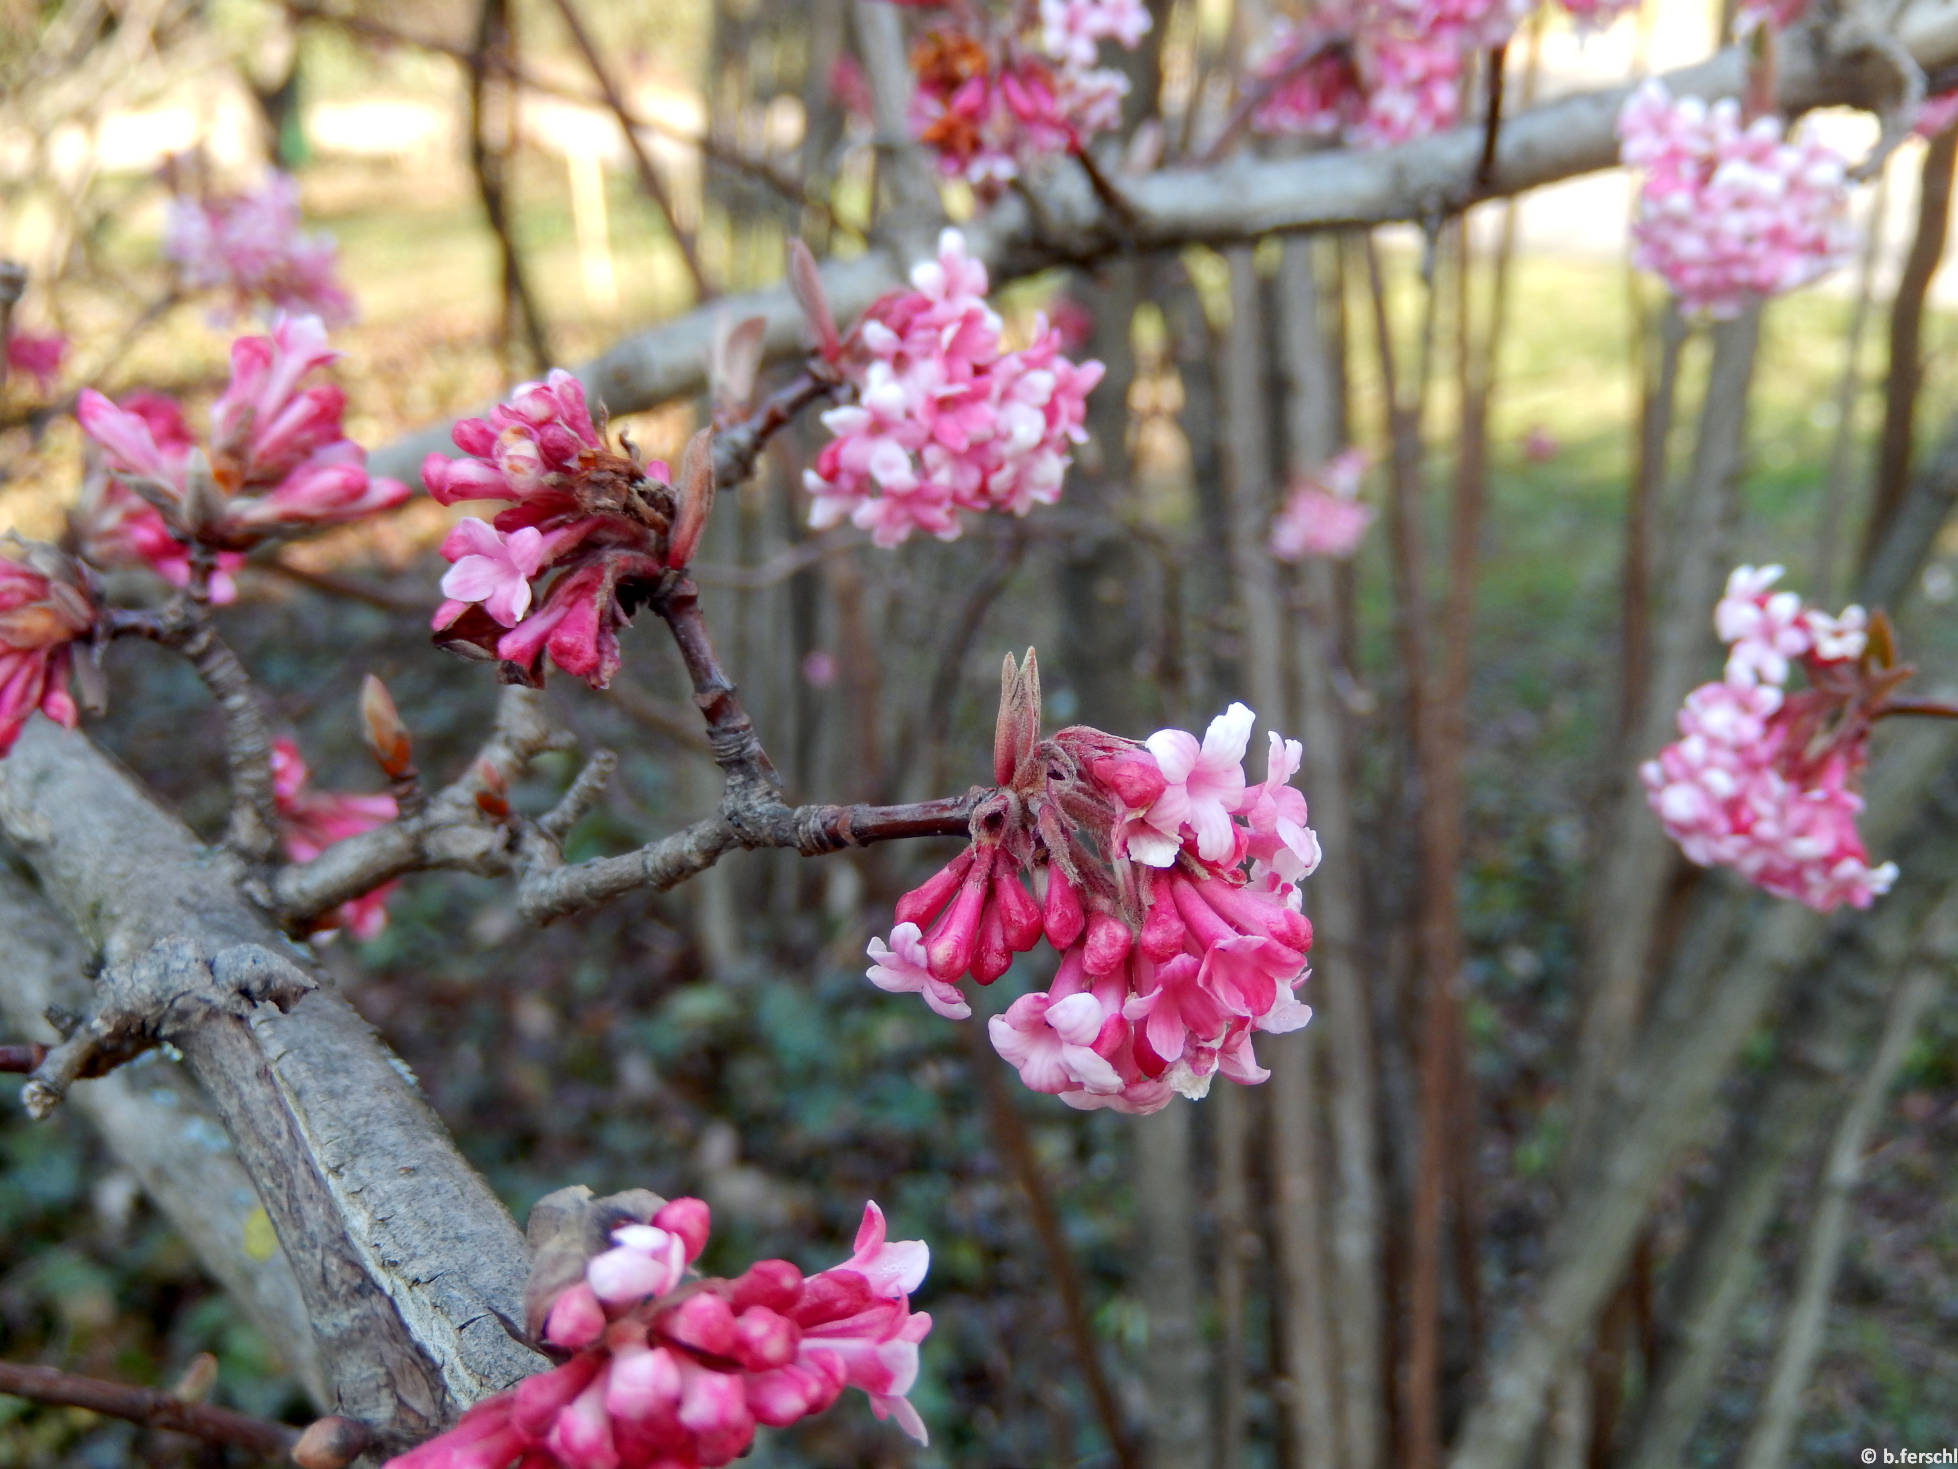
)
(155, 1125)
(410, 1270)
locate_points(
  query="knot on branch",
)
(820, 830)
(171, 987)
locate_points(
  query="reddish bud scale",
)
(1020, 916)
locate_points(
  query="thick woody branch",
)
(159, 1130)
(149, 1407)
(409, 1268)
(1245, 198)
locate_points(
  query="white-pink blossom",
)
(1204, 787)
(1322, 514)
(945, 420)
(1729, 212)
(900, 968)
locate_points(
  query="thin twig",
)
(487, 162)
(758, 169)
(149, 1407)
(642, 161)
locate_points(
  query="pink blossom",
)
(1729, 212)
(1762, 780)
(1370, 74)
(1179, 935)
(995, 92)
(250, 246)
(944, 419)
(1540, 446)
(278, 460)
(1051, 1043)
(900, 968)
(672, 1372)
(1204, 786)
(492, 568)
(311, 821)
(1322, 515)
(596, 522)
(39, 356)
(44, 611)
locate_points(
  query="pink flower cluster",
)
(944, 419)
(1322, 515)
(1729, 213)
(1168, 885)
(37, 355)
(1373, 72)
(311, 821)
(278, 460)
(1762, 780)
(43, 612)
(607, 523)
(989, 101)
(669, 1372)
(251, 247)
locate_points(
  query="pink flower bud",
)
(1062, 918)
(1134, 780)
(703, 1322)
(924, 901)
(538, 1400)
(1107, 944)
(576, 1319)
(1162, 930)
(581, 1438)
(689, 1218)
(949, 948)
(991, 956)
(1019, 915)
(775, 1284)
(642, 1384)
(764, 1339)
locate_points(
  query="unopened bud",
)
(807, 284)
(203, 503)
(387, 736)
(735, 362)
(332, 1443)
(695, 493)
(493, 800)
(197, 1380)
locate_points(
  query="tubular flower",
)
(311, 821)
(1763, 780)
(118, 527)
(251, 247)
(1729, 212)
(944, 419)
(44, 611)
(669, 1370)
(1166, 883)
(278, 461)
(992, 95)
(607, 525)
(1322, 515)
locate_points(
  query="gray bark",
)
(410, 1269)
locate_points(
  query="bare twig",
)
(759, 169)
(649, 175)
(1906, 374)
(149, 1407)
(489, 161)
(1800, 1340)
